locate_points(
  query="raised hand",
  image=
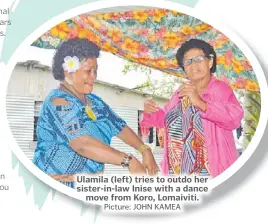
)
(190, 91)
(150, 106)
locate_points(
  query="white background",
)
(246, 202)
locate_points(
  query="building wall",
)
(35, 82)
(34, 85)
(38, 83)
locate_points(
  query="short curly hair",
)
(200, 44)
(81, 48)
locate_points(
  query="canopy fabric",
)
(151, 38)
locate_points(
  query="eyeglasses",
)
(198, 58)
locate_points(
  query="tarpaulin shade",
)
(152, 37)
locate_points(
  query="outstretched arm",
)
(92, 148)
(128, 136)
(81, 139)
(154, 116)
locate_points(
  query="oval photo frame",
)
(166, 5)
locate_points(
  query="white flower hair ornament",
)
(71, 64)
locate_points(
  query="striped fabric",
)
(186, 143)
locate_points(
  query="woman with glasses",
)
(199, 118)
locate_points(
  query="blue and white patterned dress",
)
(58, 125)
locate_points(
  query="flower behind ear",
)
(71, 64)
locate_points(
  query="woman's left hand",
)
(149, 163)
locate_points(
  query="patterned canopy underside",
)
(151, 38)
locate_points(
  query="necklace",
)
(88, 110)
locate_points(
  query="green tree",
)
(164, 86)
(252, 110)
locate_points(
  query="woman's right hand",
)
(135, 167)
(150, 106)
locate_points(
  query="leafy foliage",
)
(160, 87)
(252, 109)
